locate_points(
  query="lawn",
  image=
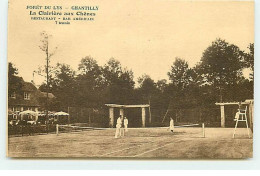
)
(144, 143)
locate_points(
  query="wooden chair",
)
(241, 117)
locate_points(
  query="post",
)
(47, 84)
(69, 115)
(222, 111)
(251, 115)
(111, 117)
(36, 110)
(143, 117)
(121, 112)
(203, 130)
(57, 129)
(150, 114)
(89, 119)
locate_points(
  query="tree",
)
(221, 63)
(62, 85)
(14, 81)
(89, 83)
(183, 83)
(118, 82)
(148, 91)
(161, 84)
(147, 85)
(112, 71)
(179, 73)
(249, 60)
(47, 68)
(221, 66)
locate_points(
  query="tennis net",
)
(74, 128)
(192, 130)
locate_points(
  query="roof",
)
(235, 103)
(20, 101)
(28, 86)
(127, 106)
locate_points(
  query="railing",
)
(24, 130)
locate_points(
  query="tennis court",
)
(184, 143)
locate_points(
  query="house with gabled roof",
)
(28, 98)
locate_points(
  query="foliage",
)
(249, 60)
(14, 81)
(118, 82)
(179, 73)
(221, 63)
(217, 77)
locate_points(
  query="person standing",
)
(125, 124)
(171, 125)
(118, 126)
(239, 110)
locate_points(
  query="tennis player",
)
(238, 111)
(171, 125)
(118, 126)
(125, 124)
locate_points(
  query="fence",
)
(96, 117)
(91, 117)
(210, 116)
(22, 130)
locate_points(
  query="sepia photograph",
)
(150, 79)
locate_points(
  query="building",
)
(28, 98)
(25, 99)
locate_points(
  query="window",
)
(26, 96)
(13, 95)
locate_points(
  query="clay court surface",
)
(157, 143)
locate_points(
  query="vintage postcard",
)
(150, 79)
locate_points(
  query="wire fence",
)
(99, 118)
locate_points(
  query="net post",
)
(203, 130)
(57, 129)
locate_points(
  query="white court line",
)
(126, 149)
(151, 150)
(116, 151)
(122, 150)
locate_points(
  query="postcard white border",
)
(22, 164)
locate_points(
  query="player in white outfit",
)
(171, 125)
(125, 125)
(239, 110)
(118, 127)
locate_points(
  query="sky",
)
(144, 36)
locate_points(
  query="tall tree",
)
(147, 86)
(149, 92)
(62, 85)
(161, 84)
(45, 43)
(119, 82)
(249, 60)
(14, 81)
(179, 73)
(88, 66)
(89, 83)
(221, 66)
(221, 63)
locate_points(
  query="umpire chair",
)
(241, 117)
